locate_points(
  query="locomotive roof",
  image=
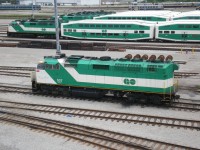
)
(187, 14)
(158, 13)
(112, 62)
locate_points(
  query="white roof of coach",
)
(178, 22)
(158, 13)
(189, 13)
(140, 22)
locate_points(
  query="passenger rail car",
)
(156, 16)
(83, 15)
(139, 78)
(191, 15)
(182, 30)
(20, 7)
(146, 7)
(108, 29)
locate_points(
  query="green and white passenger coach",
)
(108, 29)
(155, 16)
(137, 79)
(179, 30)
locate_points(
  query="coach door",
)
(125, 34)
(184, 36)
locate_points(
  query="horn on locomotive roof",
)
(152, 58)
(137, 56)
(169, 58)
(145, 57)
(128, 56)
(161, 58)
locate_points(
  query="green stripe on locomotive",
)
(106, 31)
(180, 32)
(129, 77)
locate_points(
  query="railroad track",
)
(104, 115)
(36, 43)
(184, 74)
(186, 106)
(17, 68)
(15, 89)
(181, 106)
(100, 138)
(12, 73)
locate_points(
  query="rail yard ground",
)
(14, 137)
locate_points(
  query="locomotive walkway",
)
(95, 137)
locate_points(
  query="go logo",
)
(129, 81)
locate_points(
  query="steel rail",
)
(72, 130)
(105, 115)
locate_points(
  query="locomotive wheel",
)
(156, 100)
(118, 94)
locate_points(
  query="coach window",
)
(129, 18)
(98, 34)
(103, 26)
(116, 26)
(98, 25)
(128, 26)
(74, 30)
(116, 34)
(122, 26)
(160, 32)
(195, 26)
(136, 32)
(109, 18)
(166, 32)
(141, 31)
(69, 30)
(87, 25)
(133, 18)
(148, 18)
(65, 30)
(110, 34)
(181, 26)
(188, 26)
(33, 24)
(80, 25)
(92, 25)
(110, 26)
(172, 32)
(104, 34)
(92, 34)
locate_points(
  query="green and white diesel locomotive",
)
(138, 78)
